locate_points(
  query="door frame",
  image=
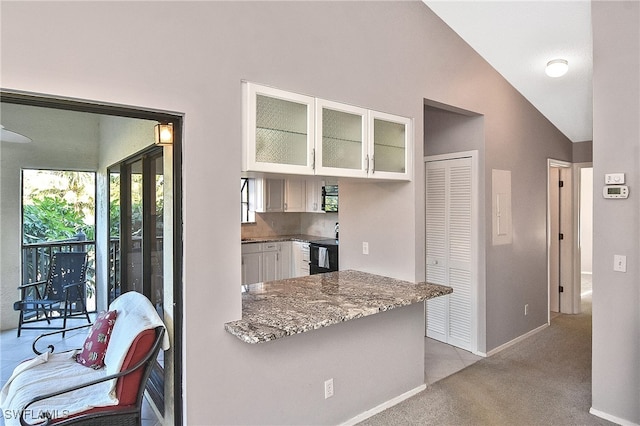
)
(478, 289)
(570, 262)
(577, 225)
(175, 153)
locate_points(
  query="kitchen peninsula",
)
(281, 308)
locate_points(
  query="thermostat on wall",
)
(615, 191)
(614, 179)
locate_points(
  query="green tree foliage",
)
(50, 219)
(58, 208)
(114, 204)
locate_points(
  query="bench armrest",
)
(25, 286)
(149, 357)
(52, 348)
(66, 286)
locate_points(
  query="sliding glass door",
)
(136, 234)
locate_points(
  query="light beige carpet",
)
(543, 380)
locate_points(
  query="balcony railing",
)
(36, 258)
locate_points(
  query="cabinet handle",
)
(285, 206)
(313, 158)
(366, 160)
(373, 165)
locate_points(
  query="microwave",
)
(330, 198)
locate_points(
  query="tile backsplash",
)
(272, 224)
(322, 225)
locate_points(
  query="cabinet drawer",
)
(269, 246)
(251, 248)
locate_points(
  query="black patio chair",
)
(64, 291)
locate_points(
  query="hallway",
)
(544, 379)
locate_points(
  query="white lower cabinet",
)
(270, 261)
(252, 263)
(283, 269)
(299, 259)
(263, 262)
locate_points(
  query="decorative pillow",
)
(95, 345)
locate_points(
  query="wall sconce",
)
(164, 133)
(557, 68)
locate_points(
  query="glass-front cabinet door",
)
(289, 133)
(279, 130)
(389, 146)
(341, 140)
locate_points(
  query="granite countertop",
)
(277, 309)
(277, 238)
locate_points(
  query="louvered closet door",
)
(449, 256)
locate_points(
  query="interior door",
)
(450, 256)
(560, 216)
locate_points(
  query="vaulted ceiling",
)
(518, 38)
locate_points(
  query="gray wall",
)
(191, 56)
(515, 274)
(616, 230)
(583, 152)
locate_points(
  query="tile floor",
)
(442, 360)
(14, 350)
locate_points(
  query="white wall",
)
(616, 229)
(62, 140)
(191, 56)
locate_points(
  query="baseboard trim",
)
(516, 340)
(611, 418)
(380, 408)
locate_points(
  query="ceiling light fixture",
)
(557, 68)
(164, 133)
(12, 137)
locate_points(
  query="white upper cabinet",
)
(390, 146)
(289, 133)
(314, 196)
(279, 131)
(295, 195)
(341, 140)
(269, 195)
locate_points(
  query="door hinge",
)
(561, 289)
(561, 183)
(561, 236)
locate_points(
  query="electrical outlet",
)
(365, 248)
(620, 263)
(526, 309)
(328, 388)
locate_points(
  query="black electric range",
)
(323, 256)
